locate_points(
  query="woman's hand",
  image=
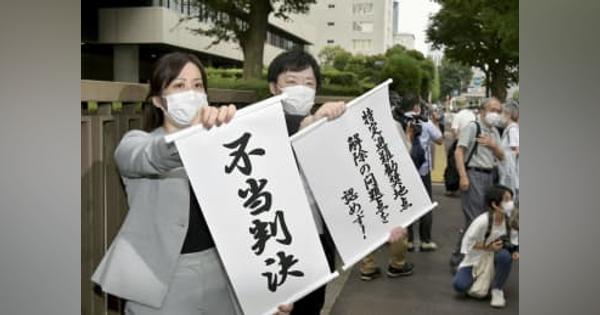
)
(495, 246)
(285, 309)
(515, 256)
(397, 234)
(209, 116)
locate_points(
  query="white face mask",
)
(508, 207)
(183, 106)
(493, 118)
(300, 99)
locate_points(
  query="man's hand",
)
(285, 309)
(515, 256)
(435, 116)
(486, 140)
(397, 234)
(464, 183)
(331, 110)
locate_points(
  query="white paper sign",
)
(248, 186)
(361, 175)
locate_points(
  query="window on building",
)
(281, 42)
(331, 6)
(363, 27)
(362, 8)
(362, 44)
(330, 23)
(330, 41)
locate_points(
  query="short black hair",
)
(409, 100)
(293, 60)
(496, 194)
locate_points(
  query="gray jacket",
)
(141, 260)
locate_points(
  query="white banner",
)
(361, 175)
(248, 186)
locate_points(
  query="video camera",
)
(414, 121)
(400, 106)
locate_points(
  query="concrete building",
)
(358, 26)
(121, 39)
(405, 39)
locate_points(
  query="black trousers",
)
(426, 221)
(312, 303)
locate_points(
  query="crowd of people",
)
(483, 169)
(165, 262)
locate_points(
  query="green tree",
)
(329, 54)
(395, 50)
(427, 76)
(246, 22)
(454, 76)
(405, 71)
(483, 34)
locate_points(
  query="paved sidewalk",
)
(429, 289)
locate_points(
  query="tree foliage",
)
(416, 72)
(246, 22)
(405, 73)
(454, 76)
(409, 69)
(483, 34)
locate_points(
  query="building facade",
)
(359, 26)
(121, 39)
(407, 40)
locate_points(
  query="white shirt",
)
(475, 233)
(461, 119)
(509, 167)
(429, 132)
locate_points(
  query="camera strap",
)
(488, 231)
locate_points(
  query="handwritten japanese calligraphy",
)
(349, 198)
(259, 201)
(385, 157)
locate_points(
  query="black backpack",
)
(417, 152)
(451, 177)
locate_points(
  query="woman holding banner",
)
(163, 260)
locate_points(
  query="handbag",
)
(483, 273)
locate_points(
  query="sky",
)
(414, 18)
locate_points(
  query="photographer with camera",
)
(489, 246)
(422, 131)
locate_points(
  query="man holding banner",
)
(364, 181)
(297, 74)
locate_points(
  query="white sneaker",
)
(498, 298)
(428, 246)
